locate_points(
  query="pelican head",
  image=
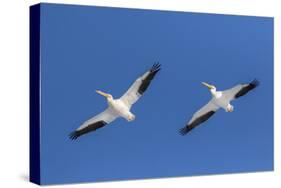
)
(210, 87)
(106, 95)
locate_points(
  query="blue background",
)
(87, 48)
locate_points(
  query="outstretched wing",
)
(140, 86)
(94, 123)
(239, 90)
(200, 116)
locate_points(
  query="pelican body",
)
(118, 107)
(220, 99)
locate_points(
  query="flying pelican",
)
(118, 107)
(220, 99)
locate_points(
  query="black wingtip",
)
(156, 67)
(73, 135)
(185, 130)
(255, 83)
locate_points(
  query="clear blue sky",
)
(88, 48)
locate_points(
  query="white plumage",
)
(118, 107)
(220, 99)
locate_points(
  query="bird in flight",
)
(220, 99)
(118, 107)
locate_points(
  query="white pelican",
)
(118, 107)
(220, 99)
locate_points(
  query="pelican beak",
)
(102, 93)
(207, 85)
